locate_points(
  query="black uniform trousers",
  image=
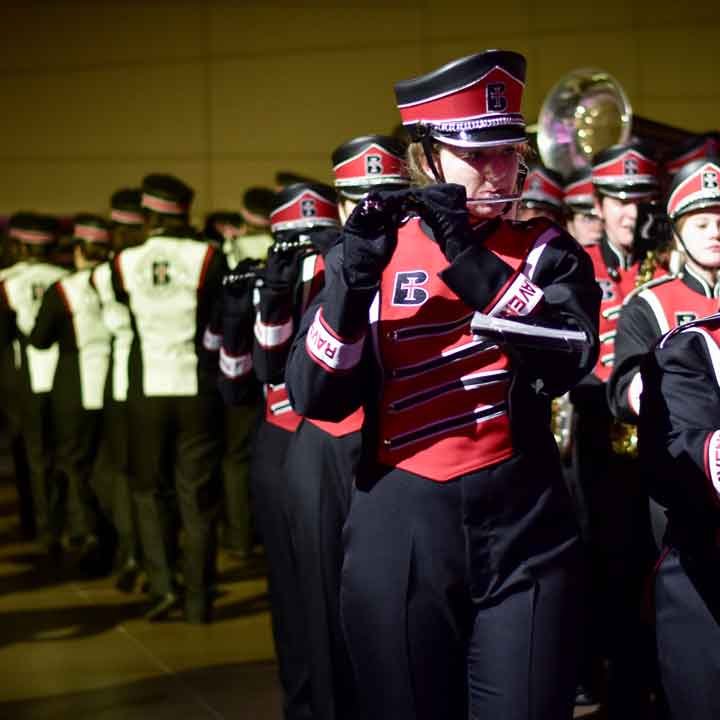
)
(12, 408)
(39, 445)
(268, 486)
(620, 552)
(76, 434)
(320, 473)
(688, 636)
(462, 599)
(111, 480)
(240, 422)
(175, 443)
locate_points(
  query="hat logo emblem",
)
(710, 180)
(495, 97)
(535, 184)
(631, 166)
(373, 165)
(308, 208)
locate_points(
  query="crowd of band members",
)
(143, 372)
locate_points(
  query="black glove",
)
(444, 209)
(283, 265)
(370, 236)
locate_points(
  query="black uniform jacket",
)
(648, 313)
(679, 431)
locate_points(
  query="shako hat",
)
(368, 163)
(125, 207)
(695, 186)
(543, 187)
(166, 195)
(91, 229)
(706, 145)
(626, 172)
(471, 102)
(33, 229)
(303, 206)
(579, 191)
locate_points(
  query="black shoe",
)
(128, 577)
(162, 606)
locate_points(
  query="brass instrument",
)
(586, 112)
(301, 242)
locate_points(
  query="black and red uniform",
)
(460, 547)
(680, 452)
(293, 275)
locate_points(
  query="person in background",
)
(70, 318)
(583, 221)
(542, 195)
(110, 474)
(170, 284)
(21, 294)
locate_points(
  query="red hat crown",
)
(700, 188)
(303, 210)
(373, 165)
(540, 187)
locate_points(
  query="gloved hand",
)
(283, 265)
(444, 208)
(370, 236)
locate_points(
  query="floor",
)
(73, 648)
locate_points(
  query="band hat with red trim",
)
(91, 229)
(471, 102)
(371, 162)
(626, 172)
(303, 206)
(579, 192)
(696, 186)
(706, 145)
(32, 228)
(125, 207)
(543, 187)
(166, 195)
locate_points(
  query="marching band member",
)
(170, 283)
(228, 229)
(11, 375)
(613, 511)
(70, 318)
(292, 276)
(542, 195)
(679, 421)
(583, 222)
(461, 549)
(110, 475)
(321, 464)
(21, 295)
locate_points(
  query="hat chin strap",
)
(691, 256)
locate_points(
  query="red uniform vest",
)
(278, 410)
(444, 399)
(615, 284)
(673, 303)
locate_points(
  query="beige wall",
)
(97, 93)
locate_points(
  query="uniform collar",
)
(612, 257)
(697, 283)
